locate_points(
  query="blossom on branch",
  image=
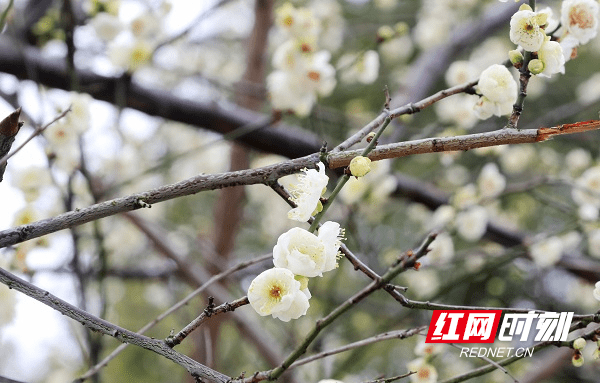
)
(306, 254)
(580, 18)
(276, 292)
(306, 195)
(551, 54)
(526, 28)
(499, 91)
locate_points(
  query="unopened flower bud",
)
(359, 166)
(536, 66)
(385, 33)
(525, 7)
(596, 354)
(370, 136)
(577, 360)
(402, 28)
(579, 344)
(515, 56)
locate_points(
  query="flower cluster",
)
(283, 290)
(131, 46)
(298, 255)
(578, 25)
(302, 73)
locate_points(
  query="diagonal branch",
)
(100, 325)
(271, 173)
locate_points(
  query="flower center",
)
(580, 17)
(315, 76)
(275, 292)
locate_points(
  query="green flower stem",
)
(342, 181)
(405, 261)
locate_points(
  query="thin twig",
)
(100, 325)
(172, 309)
(35, 133)
(397, 334)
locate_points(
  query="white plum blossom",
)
(491, 182)
(587, 187)
(596, 291)
(362, 68)
(276, 292)
(471, 224)
(425, 372)
(130, 55)
(299, 88)
(31, 181)
(460, 72)
(465, 196)
(106, 26)
(593, 239)
(441, 250)
(458, 110)
(297, 22)
(578, 159)
(551, 54)
(580, 18)
(546, 252)
(499, 91)
(569, 46)
(442, 216)
(306, 254)
(526, 28)
(307, 193)
(497, 84)
(588, 92)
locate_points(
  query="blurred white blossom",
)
(546, 252)
(425, 372)
(106, 26)
(361, 67)
(593, 239)
(491, 182)
(441, 250)
(471, 224)
(596, 291)
(587, 187)
(580, 18)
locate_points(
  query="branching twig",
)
(173, 341)
(100, 325)
(398, 334)
(172, 309)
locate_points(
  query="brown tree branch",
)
(100, 325)
(269, 174)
